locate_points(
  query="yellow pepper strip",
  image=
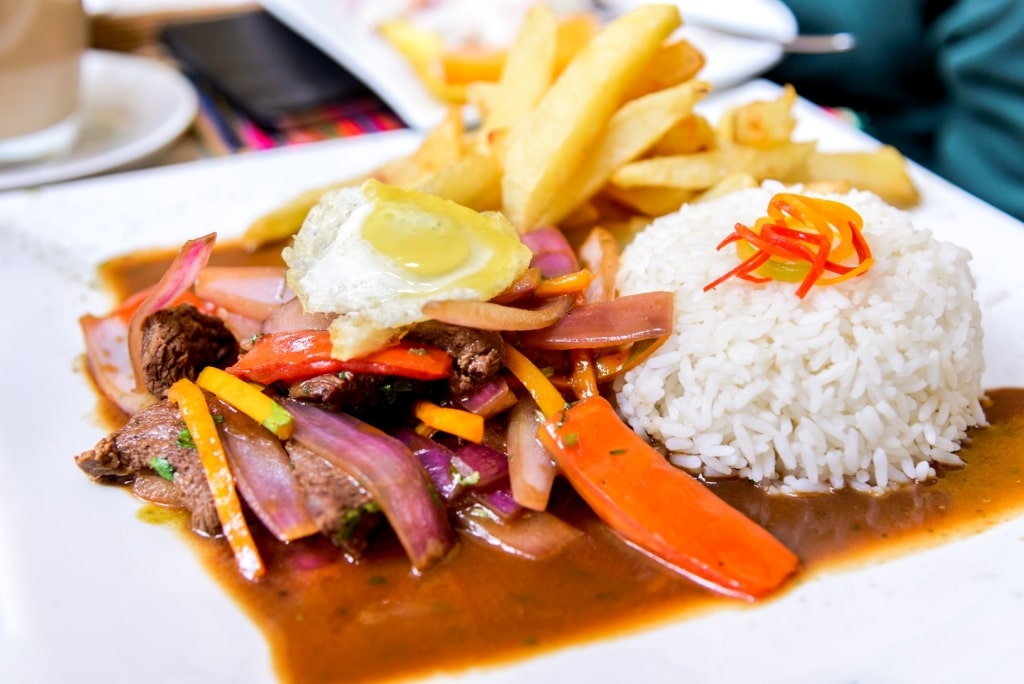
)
(468, 426)
(196, 414)
(548, 398)
(248, 399)
(577, 281)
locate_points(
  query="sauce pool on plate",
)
(326, 618)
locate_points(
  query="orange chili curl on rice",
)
(802, 239)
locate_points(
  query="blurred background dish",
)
(132, 107)
(345, 31)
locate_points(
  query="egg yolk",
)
(421, 243)
(428, 237)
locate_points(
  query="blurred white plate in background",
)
(334, 27)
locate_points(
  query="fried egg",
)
(375, 254)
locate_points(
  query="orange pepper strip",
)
(584, 374)
(863, 255)
(548, 398)
(613, 364)
(468, 426)
(660, 508)
(570, 283)
(196, 414)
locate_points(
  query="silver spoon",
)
(807, 44)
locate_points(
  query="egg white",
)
(334, 269)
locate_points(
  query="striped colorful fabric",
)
(223, 129)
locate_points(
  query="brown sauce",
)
(327, 619)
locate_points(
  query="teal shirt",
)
(942, 80)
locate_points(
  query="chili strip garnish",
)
(801, 239)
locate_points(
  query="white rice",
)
(865, 384)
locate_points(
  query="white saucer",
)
(132, 107)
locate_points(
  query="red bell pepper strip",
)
(297, 355)
(660, 508)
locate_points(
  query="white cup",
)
(41, 45)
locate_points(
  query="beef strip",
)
(179, 341)
(153, 433)
(476, 354)
(378, 399)
(340, 507)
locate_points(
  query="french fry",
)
(471, 64)
(692, 133)
(422, 49)
(785, 162)
(484, 64)
(650, 201)
(585, 128)
(685, 172)
(739, 180)
(528, 71)
(283, 221)
(574, 32)
(634, 128)
(482, 95)
(882, 171)
(761, 123)
(471, 181)
(583, 216)
(625, 229)
(674, 63)
(547, 145)
(837, 187)
(700, 171)
(441, 147)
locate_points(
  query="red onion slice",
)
(552, 253)
(497, 498)
(489, 399)
(491, 316)
(536, 535)
(390, 473)
(179, 277)
(106, 354)
(608, 324)
(290, 317)
(600, 253)
(531, 470)
(479, 465)
(437, 459)
(252, 291)
(263, 474)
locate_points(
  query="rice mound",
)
(865, 384)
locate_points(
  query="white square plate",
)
(88, 593)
